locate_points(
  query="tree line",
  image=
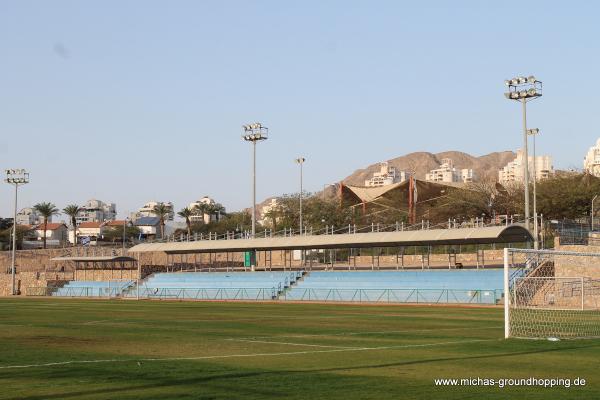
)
(565, 196)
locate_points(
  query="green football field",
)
(85, 349)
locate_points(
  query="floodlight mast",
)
(523, 90)
(254, 133)
(15, 177)
(533, 132)
(300, 161)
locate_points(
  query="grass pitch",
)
(86, 349)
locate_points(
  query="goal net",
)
(551, 294)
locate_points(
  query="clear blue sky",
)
(129, 101)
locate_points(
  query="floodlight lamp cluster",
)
(533, 131)
(17, 176)
(250, 127)
(522, 88)
(254, 132)
(300, 160)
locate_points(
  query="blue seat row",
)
(92, 289)
(215, 285)
(427, 286)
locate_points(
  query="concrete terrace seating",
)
(216, 285)
(424, 286)
(92, 289)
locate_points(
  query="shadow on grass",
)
(172, 382)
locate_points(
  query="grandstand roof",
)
(93, 258)
(496, 234)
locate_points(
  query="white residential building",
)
(149, 227)
(29, 216)
(446, 172)
(147, 210)
(513, 171)
(591, 162)
(55, 232)
(97, 211)
(206, 217)
(386, 176)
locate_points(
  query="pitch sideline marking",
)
(291, 344)
(362, 333)
(242, 355)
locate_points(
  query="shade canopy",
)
(515, 233)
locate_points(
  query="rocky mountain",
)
(485, 167)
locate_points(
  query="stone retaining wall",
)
(577, 266)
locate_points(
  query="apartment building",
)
(29, 216)
(446, 172)
(97, 211)
(208, 216)
(147, 210)
(386, 176)
(591, 162)
(541, 168)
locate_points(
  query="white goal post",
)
(551, 294)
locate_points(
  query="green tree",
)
(186, 213)
(72, 210)
(162, 211)
(46, 210)
(317, 212)
(218, 210)
(231, 222)
(567, 195)
(6, 236)
(115, 233)
(200, 210)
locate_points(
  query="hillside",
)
(485, 167)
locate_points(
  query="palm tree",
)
(72, 210)
(219, 210)
(162, 211)
(46, 210)
(201, 210)
(187, 213)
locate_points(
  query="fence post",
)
(582, 295)
(506, 296)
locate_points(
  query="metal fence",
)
(96, 292)
(205, 293)
(575, 233)
(425, 296)
(429, 296)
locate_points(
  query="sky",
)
(132, 101)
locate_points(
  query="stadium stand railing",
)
(484, 287)
(107, 289)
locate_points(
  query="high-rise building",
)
(513, 171)
(446, 172)
(386, 176)
(591, 162)
(97, 211)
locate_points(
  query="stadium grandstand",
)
(392, 266)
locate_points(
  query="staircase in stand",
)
(281, 294)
